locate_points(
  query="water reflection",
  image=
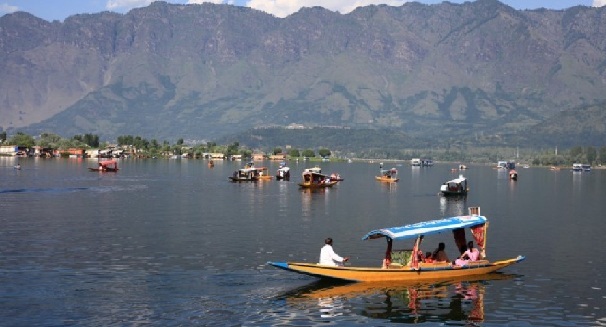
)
(459, 300)
(389, 187)
(453, 205)
(311, 197)
(502, 174)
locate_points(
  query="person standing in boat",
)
(328, 256)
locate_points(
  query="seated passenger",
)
(428, 258)
(471, 254)
(439, 255)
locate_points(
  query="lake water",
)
(172, 242)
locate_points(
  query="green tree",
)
(2, 136)
(49, 140)
(277, 150)
(233, 149)
(576, 153)
(91, 140)
(125, 140)
(246, 153)
(324, 153)
(602, 154)
(88, 139)
(294, 153)
(309, 153)
(22, 140)
(591, 154)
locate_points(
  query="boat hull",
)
(238, 179)
(316, 185)
(386, 180)
(371, 274)
(109, 170)
(448, 193)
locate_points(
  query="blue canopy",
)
(426, 227)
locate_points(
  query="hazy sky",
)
(60, 9)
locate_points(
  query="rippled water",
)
(172, 242)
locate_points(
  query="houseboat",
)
(457, 186)
(247, 174)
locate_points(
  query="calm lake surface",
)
(172, 242)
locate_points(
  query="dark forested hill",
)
(206, 71)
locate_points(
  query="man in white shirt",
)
(328, 256)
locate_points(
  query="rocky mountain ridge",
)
(205, 71)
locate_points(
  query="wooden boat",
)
(403, 265)
(388, 176)
(315, 169)
(336, 177)
(247, 174)
(316, 180)
(578, 167)
(506, 164)
(283, 172)
(263, 173)
(457, 186)
(513, 175)
(106, 166)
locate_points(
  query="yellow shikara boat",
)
(313, 180)
(406, 266)
(263, 173)
(388, 176)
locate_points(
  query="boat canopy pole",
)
(414, 262)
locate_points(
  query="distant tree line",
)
(453, 153)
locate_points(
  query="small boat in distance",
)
(336, 177)
(106, 166)
(315, 180)
(405, 265)
(263, 173)
(247, 174)
(457, 186)
(315, 169)
(283, 172)
(513, 175)
(506, 165)
(388, 176)
(579, 167)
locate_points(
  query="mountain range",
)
(472, 71)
